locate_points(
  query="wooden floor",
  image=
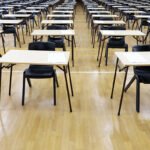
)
(93, 124)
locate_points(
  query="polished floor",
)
(93, 124)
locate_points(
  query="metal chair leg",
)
(137, 96)
(29, 82)
(23, 89)
(54, 89)
(10, 79)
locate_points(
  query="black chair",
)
(141, 74)
(40, 71)
(115, 42)
(59, 41)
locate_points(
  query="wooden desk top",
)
(36, 57)
(91, 12)
(60, 15)
(17, 15)
(10, 21)
(134, 11)
(65, 8)
(99, 8)
(108, 22)
(57, 22)
(36, 8)
(28, 11)
(107, 15)
(62, 11)
(122, 33)
(142, 16)
(134, 58)
(53, 32)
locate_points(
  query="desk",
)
(137, 17)
(91, 12)
(54, 58)
(71, 33)
(128, 59)
(108, 33)
(20, 16)
(15, 23)
(103, 22)
(3, 42)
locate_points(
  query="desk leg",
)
(72, 47)
(18, 38)
(67, 88)
(0, 78)
(99, 46)
(10, 79)
(3, 41)
(94, 33)
(122, 93)
(70, 80)
(113, 84)
(23, 34)
(100, 59)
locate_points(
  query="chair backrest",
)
(141, 48)
(56, 27)
(47, 46)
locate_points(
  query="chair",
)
(141, 74)
(59, 41)
(115, 42)
(40, 71)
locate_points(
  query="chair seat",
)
(35, 71)
(59, 42)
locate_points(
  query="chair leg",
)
(10, 79)
(56, 80)
(29, 82)
(15, 40)
(54, 88)
(137, 95)
(74, 42)
(3, 42)
(23, 89)
(126, 48)
(106, 55)
(64, 48)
